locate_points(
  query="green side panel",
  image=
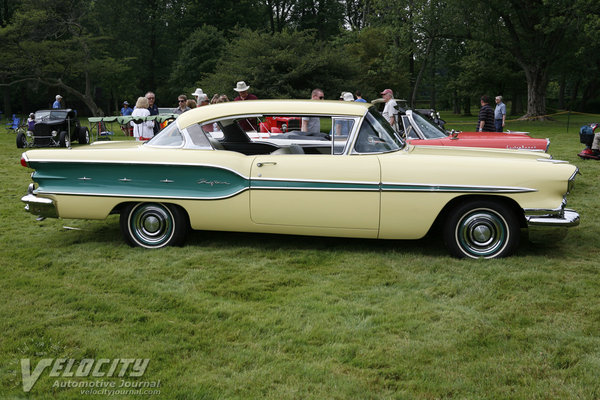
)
(139, 180)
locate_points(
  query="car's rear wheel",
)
(64, 140)
(21, 140)
(481, 229)
(154, 225)
(83, 136)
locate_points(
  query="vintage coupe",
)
(366, 183)
(425, 128)
(420, 131)
(54, 128)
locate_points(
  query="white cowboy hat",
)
(348, 96)
(241, 87)
(198, 92)
(58, 96)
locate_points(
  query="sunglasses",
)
(181, 101)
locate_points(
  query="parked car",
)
(421, 131)
(54, 128)
(424, 127)
(368, 184)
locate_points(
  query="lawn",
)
(248, 316)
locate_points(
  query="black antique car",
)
(54, 128)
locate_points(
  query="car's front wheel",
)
(21, 140)
(83, 135)
(64, 140)
(154, 225)
(481, 229)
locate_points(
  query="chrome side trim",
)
(419, 187)
(551, 160)
(316, 181)
(143, 196)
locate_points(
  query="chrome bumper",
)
(40, 206)
(544, 228)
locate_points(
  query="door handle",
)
(260, 164)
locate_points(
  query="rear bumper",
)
(551, 227)
(40, 206)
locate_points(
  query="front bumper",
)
(551, 227)
(40, 206)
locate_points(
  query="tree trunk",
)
(432, 102)
(455, 102)
(467, 105)
(413, 98)
(537, 82)
(561, 92)
(6, 101)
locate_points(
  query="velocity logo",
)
(69, 368)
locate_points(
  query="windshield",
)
(50, 114)
(429, 130)
(376, 135)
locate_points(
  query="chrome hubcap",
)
(151, 224)
(482, 233)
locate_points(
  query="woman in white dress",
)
(143, 130)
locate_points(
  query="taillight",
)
(24, 161)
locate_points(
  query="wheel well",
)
(507, 201)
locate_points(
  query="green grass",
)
(248, 316)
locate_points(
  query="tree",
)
(49, 43)
(533, 32)
(198, 57)
(283, 65)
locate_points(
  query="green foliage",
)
(103, 52)
(378, 62)
(198, 57)
(282, 65)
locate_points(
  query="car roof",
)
(285, 107)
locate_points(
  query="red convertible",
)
(421, 132)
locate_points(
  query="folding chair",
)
(14, 124)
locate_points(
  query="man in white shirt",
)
(313, 124)
(390, 113)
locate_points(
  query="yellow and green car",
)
(350, 175)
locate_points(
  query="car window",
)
(58, 114)
(197, 137)
(169, 137)
(429, 130)
(409, 131)
(376, 135)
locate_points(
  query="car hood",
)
(477, 152)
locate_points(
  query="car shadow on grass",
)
(268, 242)
(108, 233)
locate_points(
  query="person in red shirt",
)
(248, 124)
(243, 94)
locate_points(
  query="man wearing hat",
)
(199, 94)
(248, 124)
(126, 110)
(56, 103)
(242, 89)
